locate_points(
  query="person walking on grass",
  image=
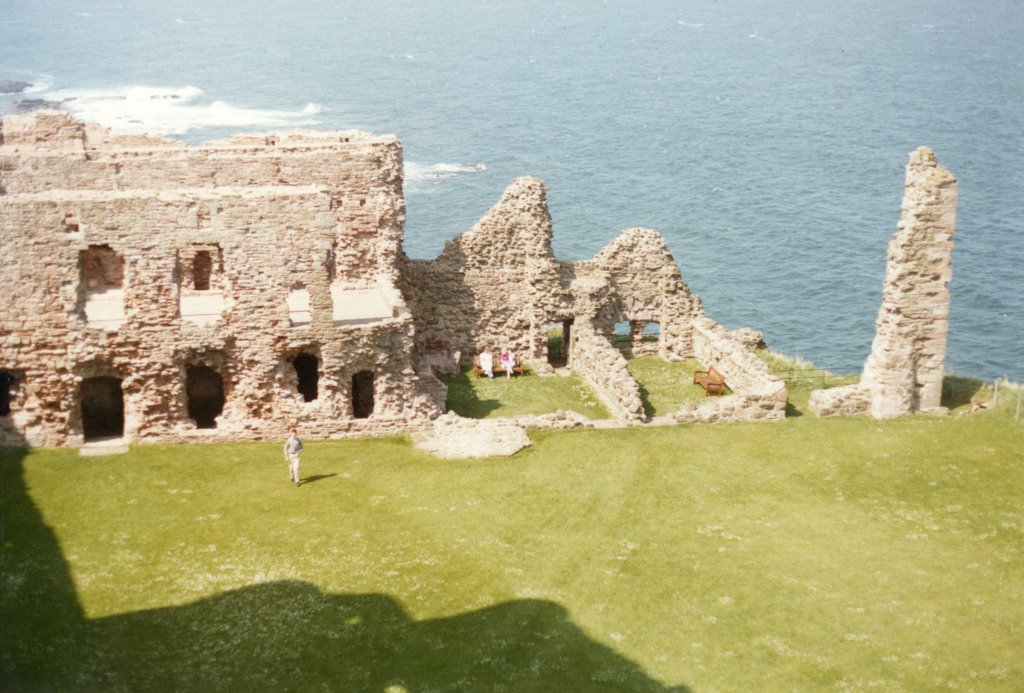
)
(292, 448)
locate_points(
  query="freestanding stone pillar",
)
(904, 372)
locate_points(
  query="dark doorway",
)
(202, 268)
(307, 371)
(205, 390)
(7, 381)
(102, 403)
(362, 394)
(559, 342)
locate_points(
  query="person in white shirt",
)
(292, 448)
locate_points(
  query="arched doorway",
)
(362, 394)
(102, 404)
(307, 372)
(204, 388)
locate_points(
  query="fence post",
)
(1016, 417)
(995, 397)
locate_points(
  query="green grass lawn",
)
(814, 554)
(665, 387)
(484, 398)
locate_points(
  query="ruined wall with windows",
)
(499, 284)
(225, 291)
(161, 292)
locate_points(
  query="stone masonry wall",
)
(904, 371)
(143, 262)
(496, 284)
(500, 284)
(603, 368)
(757, 394)
(319, 211)
(649, 288)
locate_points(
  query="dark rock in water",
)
(11, 87)
(29, 105)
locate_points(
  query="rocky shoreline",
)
(10, 86)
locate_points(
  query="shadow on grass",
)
(645, 400)
(316, 477)
(462, 397)
(958, 391)
(274, 636)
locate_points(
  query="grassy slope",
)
(810, 554)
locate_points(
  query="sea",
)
(766, 140)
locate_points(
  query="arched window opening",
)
(7, 381)
(202, 268)
(102, 404)
(204, 388)
(362, 394)
(307, 371)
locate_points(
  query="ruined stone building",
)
(164, 292)
(160, 292)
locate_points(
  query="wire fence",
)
(1015, 399)
(810, 377)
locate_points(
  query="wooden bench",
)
(711, 380)
(498, 368)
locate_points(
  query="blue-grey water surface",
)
(766, 139)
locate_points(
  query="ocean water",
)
(766, 140)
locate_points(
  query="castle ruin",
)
(161, 292)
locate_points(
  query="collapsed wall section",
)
(648, 288)
(757, 395)
(496, 284)
(499, 284)
(903, 374)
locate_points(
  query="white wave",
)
(435, 173)
(39, 84)
(173, 110)
(695, 26)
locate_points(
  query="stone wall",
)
(603, 368)
(496, 284)
(903, 374)
(649, 288)
(499, 284)
(316, 214)
(757, 395)
(230, 290)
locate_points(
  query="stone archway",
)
(204, 388)
(102, 404)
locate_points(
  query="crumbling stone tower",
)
(166, 292)
(904, 372)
